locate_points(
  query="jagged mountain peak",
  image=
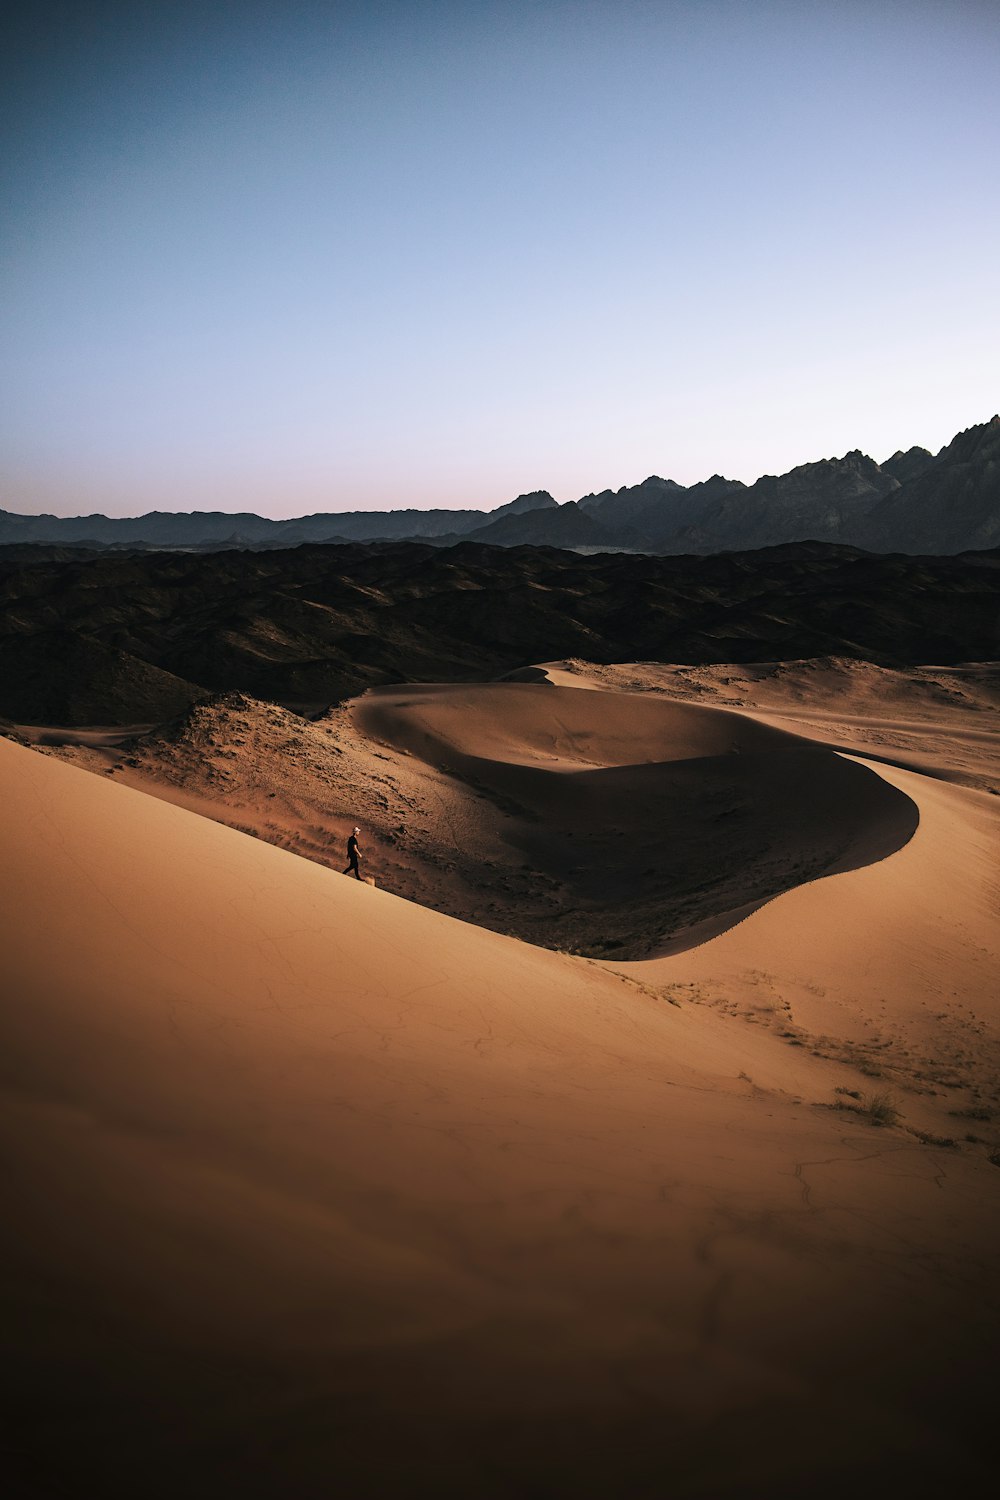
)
(908, 465)
(966, 445)
(716, 486)
(654, 482)
(532, 500)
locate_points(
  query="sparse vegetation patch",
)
(927, 1139)
(879, 1109)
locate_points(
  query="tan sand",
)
(319, 1191)
(895, 967)
(607, 824)
(942, 721)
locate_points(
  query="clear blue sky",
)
(292, 257)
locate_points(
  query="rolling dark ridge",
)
(120, 637)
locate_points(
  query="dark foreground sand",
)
(318, 1191)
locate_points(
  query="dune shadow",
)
(718, 815)
(656, 858)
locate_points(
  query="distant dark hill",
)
(537, 500)
(635, 505)
(371, 525)
(953, 504)
(199, 529)
(116, 638)
(565, 526)
(913, 502)
(156, 528)
(67, 678)
(659, 512)
(815, 502)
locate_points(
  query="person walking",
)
(353, 855)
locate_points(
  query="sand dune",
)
(942, 721)
(894, 970)
(677, 819)
(310, 1181)
(596, 823)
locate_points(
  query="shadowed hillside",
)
(311, 626)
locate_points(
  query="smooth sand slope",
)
(317, 1191)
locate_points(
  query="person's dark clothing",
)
(352, 858)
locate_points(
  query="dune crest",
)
(941, 721)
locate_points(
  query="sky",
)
(304, 256)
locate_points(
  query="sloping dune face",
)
(313, 1191)
(659, 823)
(943, 721)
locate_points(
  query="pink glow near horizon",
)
(438, 256)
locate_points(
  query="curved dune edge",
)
(943, 722)
(664, 822)
(892, 967)
(309, 1180)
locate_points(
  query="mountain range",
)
(914, 502)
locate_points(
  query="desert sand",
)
(534, 810)
(318, 1189)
